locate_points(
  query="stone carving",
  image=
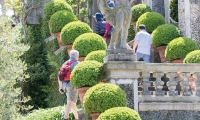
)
(119, 17)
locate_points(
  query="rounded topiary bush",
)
(72, 30)
(60, 19)
(86, 74)
(179, 47)
(96, 55)
(55, 6)
(163, 34)
(138, 10)
(192, 57)
(131, 33)
(119, 113)
(89, 42)
(151, 20)
(102, 97)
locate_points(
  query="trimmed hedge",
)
(60, 19)
(192, 57)
(102, 97)
(86, 74)
(89, 42)
(96, 55)
(138, 10)
(179, 47)
(163, 34)
(72, 30)
(55, 6)
(119, 113)
(131, 33)
(151, 20)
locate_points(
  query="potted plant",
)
(192, 57)
(178, 48)
(59, 20)
(71, 31)
(137, 11)
(162, 35)
(102, 97)
(54, 6)
(119, 113)
(87, 43)
(151, 20)
(85, 75)
(96, 55)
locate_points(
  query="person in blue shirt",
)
(65, 87)
(100, 25)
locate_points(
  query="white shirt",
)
(144, 42)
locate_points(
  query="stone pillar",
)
(197, 84)
(185, 84)
(172, 84)
(146, 83)
(189, 19)
(159, 84)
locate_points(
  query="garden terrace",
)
(156, 86)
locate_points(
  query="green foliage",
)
(87, 73)
(72, 30)
(96, 55)
(102, 97)
(89, 42)
(151, 20)
(163, 34)
(60, 19)
(119, 113)
(54, 6)
(178, 48)
(138, 10)
(12, 70)
(55, 113)
(38, 67)
(192, 57)
(131, 33)
(174, 9)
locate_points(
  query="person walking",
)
(65, 86)
(100, 25)
(143, 43)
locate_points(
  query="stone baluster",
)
(197, 84)
(146, 83)
(185, 84)
(159, 84)
(172, 83)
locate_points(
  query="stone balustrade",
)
(157, 86)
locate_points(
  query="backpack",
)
(111, 30)
(65, 71)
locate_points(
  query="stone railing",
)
(157, 86)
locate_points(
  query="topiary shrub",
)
(163, 34)
(131, 33)
(86, 74)
(96, 55)
(55, 6)
(119, 113)
(102, 97)
(60, 19)
(192, 57)
(151, 20)
(179, 47)
(72, 30)
(138, 10)
(89, 42)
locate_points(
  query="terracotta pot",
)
(94, 116)
(81, 93)
(81, 58)
(161, 51)
(177, 61)
(69, 48)
(58, 39)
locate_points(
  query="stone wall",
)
(189, 19)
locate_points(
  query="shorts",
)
(71, 93)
